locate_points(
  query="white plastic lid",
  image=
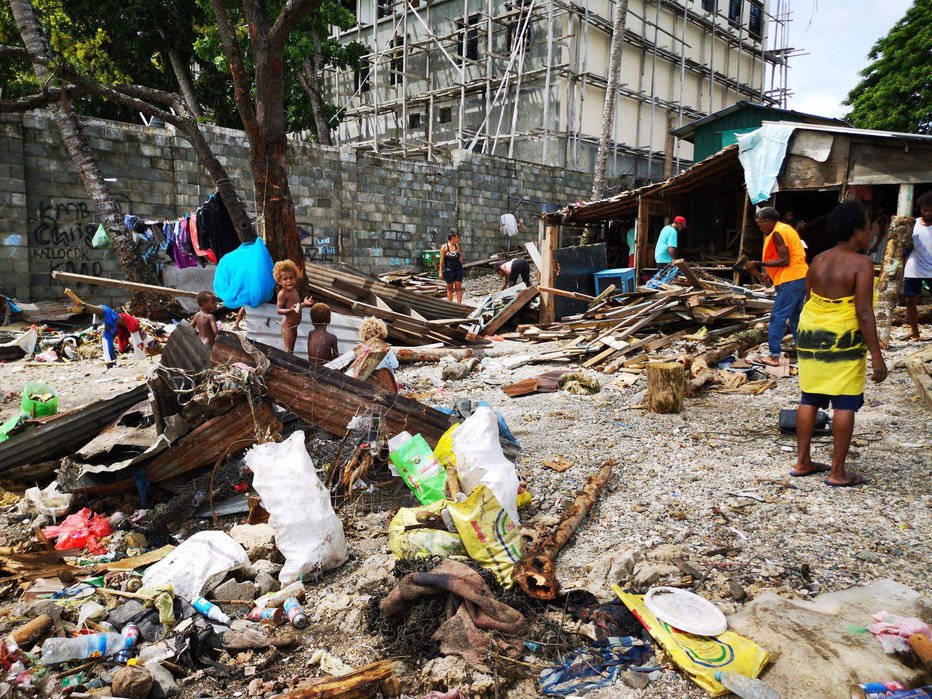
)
(686, 611)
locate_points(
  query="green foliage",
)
(895, 93)
(313, 28)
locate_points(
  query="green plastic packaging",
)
(421, 471)
(39, 399)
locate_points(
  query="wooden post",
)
(744, 227)
(665, 385)
(669, 145)
(548, 271)
(890, 284)
(904, 200)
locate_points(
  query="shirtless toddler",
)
(204, 321)
(289, 301)
(321, 344)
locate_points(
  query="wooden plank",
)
(916, 365)
(121, 284)
(604, 295)
(521, 300)
(575, 295)
(689, 274)
(535, 255)
(551, 240)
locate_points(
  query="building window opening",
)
(446, 115)
(756, 20)
(361, 75)
(734, 11)
(396, 64)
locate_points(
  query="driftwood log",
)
(890, 284)
(412, 355)
(536, 573)
(363, 683)
(665, 386)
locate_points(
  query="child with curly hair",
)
(289, 301)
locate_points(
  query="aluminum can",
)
(296, 615)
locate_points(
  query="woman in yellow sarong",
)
(836, 331)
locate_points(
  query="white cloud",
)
(836, 36)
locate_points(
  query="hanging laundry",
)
(215, 227)
(110, 330)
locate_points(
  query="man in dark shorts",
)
(513, 269)
(918, 270)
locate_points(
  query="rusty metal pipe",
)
(536, 573)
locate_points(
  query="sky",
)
(836, 35)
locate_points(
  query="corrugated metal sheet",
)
(215, 439)
(66, 432)
(264, 325)
(184, 350)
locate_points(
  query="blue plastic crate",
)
(623, 278)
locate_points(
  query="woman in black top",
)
(451, 267)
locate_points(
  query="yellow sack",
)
(700, 657)
(444, 453)
(491, 538)
(422, 542)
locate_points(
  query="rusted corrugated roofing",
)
(65, 432)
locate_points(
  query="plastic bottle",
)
(60, 650)
(155, 652)
(210, 610)
(277, 599)
(746, 687)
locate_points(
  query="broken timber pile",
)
(624, 330)
(500, 308)
(329, 399)
(406, 313)
(416, 282)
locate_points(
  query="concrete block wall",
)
(373, 212)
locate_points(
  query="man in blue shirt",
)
(665, 252)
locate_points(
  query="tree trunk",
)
(665, 386)
(309, 78)
(269, 161)
(235, 207)
(121, 240)
(611, 92)
(890, 284)
(182, 76)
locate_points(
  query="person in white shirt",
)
(918, 270)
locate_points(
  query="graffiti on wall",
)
(61, 238)
(317, 248)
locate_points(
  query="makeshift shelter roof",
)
(707, 176)
(686, 131)
(870, 161)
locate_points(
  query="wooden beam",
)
(329, 399)
(121, 284)
(548, 273)
(507, 313)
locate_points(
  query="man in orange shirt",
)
(784, 259)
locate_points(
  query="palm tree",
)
(611, 91)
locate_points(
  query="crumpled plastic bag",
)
(892, 631)
(307, 530)
(481, 461)
(490, 536)
(700, 657)
(162, 598)
(50, 500)
(408, 538)
(197, 565)
(81, 530)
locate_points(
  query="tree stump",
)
(890, 285)
(665, 385)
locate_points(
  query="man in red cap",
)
(665, 252)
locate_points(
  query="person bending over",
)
(321, 343)
(836, 331)
(511, 270)
(289, 301)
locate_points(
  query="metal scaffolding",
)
(515, 93)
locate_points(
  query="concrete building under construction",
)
(526, 79)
